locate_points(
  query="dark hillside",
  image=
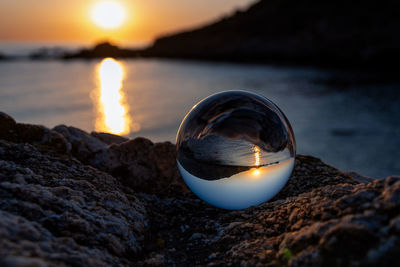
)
(326, 33)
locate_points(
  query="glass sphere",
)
(235, 149)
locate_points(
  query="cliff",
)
(73, 198)
(332, 33)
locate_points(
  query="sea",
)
(343, 117)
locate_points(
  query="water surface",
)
(349, 125)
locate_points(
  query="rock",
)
(359, 178)
(35, 134)
(109, 138)
(62, 212)
(23, 262)
(145, 166)
(138, 163)
(336, 225)
(83, 146)
(6, 124)
(56, 210)
(310, 173)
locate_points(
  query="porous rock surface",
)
(77, 199)
(55, 210)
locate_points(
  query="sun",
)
(108, 15)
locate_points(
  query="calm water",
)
(350, 126)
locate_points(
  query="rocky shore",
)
(70, 198)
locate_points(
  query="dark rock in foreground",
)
(71, 198)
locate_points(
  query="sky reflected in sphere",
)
(235, 149)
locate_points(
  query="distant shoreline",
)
(106, 49)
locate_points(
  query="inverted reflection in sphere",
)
(235, 149)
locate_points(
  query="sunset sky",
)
(70, 20)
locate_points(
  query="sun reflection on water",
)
(257, 151)
(113, 112)
(257, 156)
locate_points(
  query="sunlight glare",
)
(113, 113)
(108, 14)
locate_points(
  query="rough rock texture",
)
(56, 210)
(335, 225)
(35, 134)
(137, 163)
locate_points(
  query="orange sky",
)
(69, 20)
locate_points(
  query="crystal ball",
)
(235, 149)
